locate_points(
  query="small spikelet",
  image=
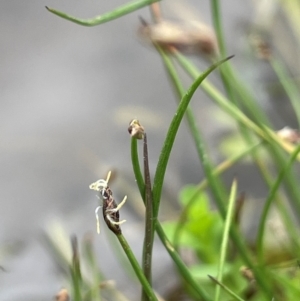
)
(188, 37)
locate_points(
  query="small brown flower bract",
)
(62, 295)
(289, 135)
(261, 47)
(189, 37)
(247, 273)
(136, 130)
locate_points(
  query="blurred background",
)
(67, 95)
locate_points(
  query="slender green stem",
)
(149, 224)
(292, 10)
(268, 203)
(136, 167)
(288, 285)
(216, 15)
(76, 285)
(238, 115)
(233, 85)
(90, 260)
(224, 244)
(290, 181)
(232, 80)
(138, 271)
(191, 120)
(116, 13)
(226, 289)
(184, 271)
(75, 270)
(264, 132)
(225, 165)
(161, 168)
(170, 138)
(231, 109)
(234, 112)
(290, 88)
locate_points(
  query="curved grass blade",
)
(199, 141)
(225, 288)
(149, 224)
(170, 138)
(136, 167)
(225, 237)
(138, 271)
(270, 197)
(289, 86)
(116, 13)
(182, 268)
(228, 107)
(222, 167)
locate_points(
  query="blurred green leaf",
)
(200, 271)
(202, 222)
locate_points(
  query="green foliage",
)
(202, 228)
(225, 265)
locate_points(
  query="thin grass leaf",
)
(226, 289)
(195, 131)
(136, 167)
(292, 11)
(149, 222)
(224, 244)
(231, 109)
(159, 175)
(290, 88)
(222, 167)
(161, 167)
(138, 271)
(269, 200)
(170, 138)
(261, 130)
(288, 285)
(182, 268)
(116, 13)
(90, 260)
(76, 271)
(236, 89)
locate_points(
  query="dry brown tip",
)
(261, 47)
(289, 135)
(62, 295)
(247, 273)
(188, 37)
(136, 130)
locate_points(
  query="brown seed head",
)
(289, 135)
(247, 273)
(189, 38)
(62, 295)
(261, 47)
(136, 130)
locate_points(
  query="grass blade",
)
(138, 271)
(268, 203)
(290, 88)
(230, 292)
(117, 13)
(182, 268)
(170, 138)
(224, 244)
